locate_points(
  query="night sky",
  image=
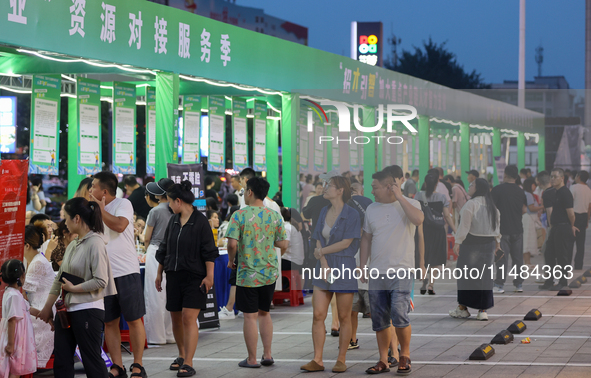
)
(483, 34)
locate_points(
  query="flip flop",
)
(244, 363)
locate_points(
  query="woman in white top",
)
(476, 238)
(38, 281)
(529, 220)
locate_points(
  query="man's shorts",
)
(252, 299)
(361, 302)
(232, 279)
(129, 300)
(389, 300)
(183, 290)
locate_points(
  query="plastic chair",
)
(294, 294)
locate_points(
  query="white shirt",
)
(295, 251)
(121, 246)
(475, 219)
(441, 188)
(582, 197)
(393, 236)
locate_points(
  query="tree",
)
(436, 64)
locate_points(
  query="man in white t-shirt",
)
(388, 237)
(582, 207)
(117, 216)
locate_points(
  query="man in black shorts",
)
(118, 219)
(253, 232)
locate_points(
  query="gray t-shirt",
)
(530, 201)
(435, 197)
(158, 218)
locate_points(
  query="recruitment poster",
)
(260, 136)
(319, 148)
(191, 129)
(304, 140)
(151, 130)
(88, 93)
(240, 134)
(217, 134)
(124, 155)
(336, 147)
(45, 124)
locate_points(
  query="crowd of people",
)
(79, 276)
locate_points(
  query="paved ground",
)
(560, 340)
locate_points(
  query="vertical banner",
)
(240, 134)
(334, 130)
(124, 155)
(191, 129)
(208, 318)
(13, 199)
(304, 141)
(217, 134)
(319, 148)
(260, 136)
(354, 153)
(150, 130)
(89, 156)
(45, 124)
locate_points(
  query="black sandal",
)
(141, 374)
(120, 370)
(188, 371)
(179, 361)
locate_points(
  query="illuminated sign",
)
(366, 42)
(7, 124)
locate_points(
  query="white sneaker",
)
(225, 314)
(240, 314)
(482, 315)
(457, 313)
(498, 290)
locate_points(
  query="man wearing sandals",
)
(388, 237)
(252, 234)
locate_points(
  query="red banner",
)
(13, 201)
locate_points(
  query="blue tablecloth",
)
(221, 276)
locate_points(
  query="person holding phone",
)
(187, 255)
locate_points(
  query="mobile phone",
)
(203, 289)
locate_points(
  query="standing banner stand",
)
(240, 135)
(216, 161)
(260, 136)
(208, 318)
(151, 130)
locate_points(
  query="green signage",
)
(319, 145)
(304, 137)
(240, 134)
(124, 128)
(88, 93)
(150, 130)
(45, 124)
(217, 134)
(191, 129)
(260, 136)
(336, 147)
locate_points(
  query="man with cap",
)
(157, 320)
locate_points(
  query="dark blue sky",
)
(482, 33)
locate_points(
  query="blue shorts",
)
(389, 301)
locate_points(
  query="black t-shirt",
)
(509, 199)
(138, 201)
(314, 207)
(549, 197)
(564, 200)
(211, 193)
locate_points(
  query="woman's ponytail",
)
(89, 211)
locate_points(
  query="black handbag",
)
(433, 218)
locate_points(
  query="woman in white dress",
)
(38, 281)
